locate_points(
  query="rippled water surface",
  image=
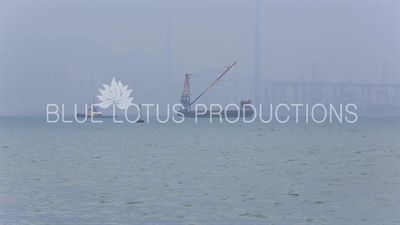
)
(202, 173)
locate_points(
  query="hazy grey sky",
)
(47, 46)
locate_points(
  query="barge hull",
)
(217, 114)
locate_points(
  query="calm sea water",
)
(153, 173)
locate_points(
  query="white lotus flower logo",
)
(116, 94)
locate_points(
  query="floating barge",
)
(244, 111)
(93, 112)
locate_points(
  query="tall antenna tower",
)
(314, 73)
(384, 73)
(384, 80)
(169, 75)
(257, 88)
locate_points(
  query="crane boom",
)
(223, 73)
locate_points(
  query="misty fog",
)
(62, 52)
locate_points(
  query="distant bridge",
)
(364, 94)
